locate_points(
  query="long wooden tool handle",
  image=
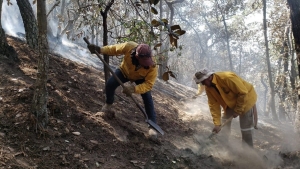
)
(109, 68)
(226, 122)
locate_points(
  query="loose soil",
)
(75, 138)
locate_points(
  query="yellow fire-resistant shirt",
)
(234, 92)
(128, 69)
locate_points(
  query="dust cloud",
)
(270, 140)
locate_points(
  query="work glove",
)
(216, 129)
(128, 89)
(94, 48)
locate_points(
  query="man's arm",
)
(148, 83)
(215, 108)
(118, 49)
(236, 85)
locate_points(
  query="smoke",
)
(11, 19)
(12, 24)
(270, 141)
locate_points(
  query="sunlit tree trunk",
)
(273, 110)
(295, 15)
(227, 40)
(281, 87)
(265, 102)
(285, 89)
(163, 57)
(160, 70)
(222, 11)
(293, 74)
(40, 98)
(29, 21)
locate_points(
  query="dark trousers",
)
(112, 85)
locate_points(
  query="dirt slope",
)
(76, 138)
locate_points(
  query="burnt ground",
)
(76, 138)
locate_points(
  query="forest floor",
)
(75, 138)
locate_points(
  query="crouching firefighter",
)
(237, 98)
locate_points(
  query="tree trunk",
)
(295, 15)
(160, 69)
(201, 50)
(29, 23)
(266, 113)
(273, 110)
(293, 74)
(40, 97)
(281, 81)
(163, 57)
(105, 37)
(6, 51)
(227, 41)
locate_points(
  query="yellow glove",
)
(128, 89)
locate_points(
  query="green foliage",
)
(137, 30)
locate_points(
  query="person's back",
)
(235, 95)
(232, 89)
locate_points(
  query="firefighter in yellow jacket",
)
(137, 66)
(236, 96)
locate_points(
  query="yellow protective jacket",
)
(235, 93)
(128, 69)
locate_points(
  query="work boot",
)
(106, 112)
(106, 108)
(152, 134)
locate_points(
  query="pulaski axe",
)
(150, 122)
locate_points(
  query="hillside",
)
(76, 138)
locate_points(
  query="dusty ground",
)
(75, 138)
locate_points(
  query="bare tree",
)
(295, 15)
(40, 98)
(105, 35)
(223, 14)
(30, 23)
(273, 110)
